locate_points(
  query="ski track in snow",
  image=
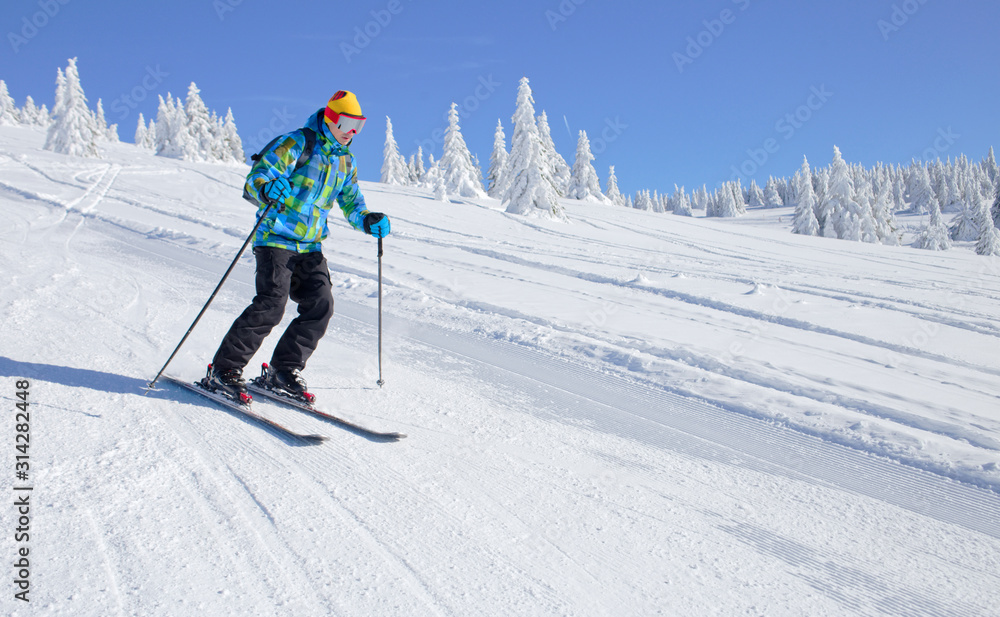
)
(555, 464)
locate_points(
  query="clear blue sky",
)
(679, 92)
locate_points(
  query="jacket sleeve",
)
(352, 202)
(275, 163)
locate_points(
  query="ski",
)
(257, 389)
(246, 410)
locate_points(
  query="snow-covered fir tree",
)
(231, 144)
(772, 196)
(964, 226)
(9, 115)
(805, 221)
(199, 126)
(461, 175)
(921, 194)
(755, 196)
(643, 201)
(934, 236)
(728, 201)
(531, 189)
(497, 177)
(440, 188)
(699, 200)
(394, 169)
(613, 194)
(32, 115)
(679, 202)
(885, 219)
(141, 138)
(172, 137)
(415, 167)
(988, 243)
(73, 130)
(583, 182)
(558, 168)
(995, 209)
(105, 132)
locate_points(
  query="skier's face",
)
(342, 137)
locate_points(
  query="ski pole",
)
(260, 219)
(381, 382)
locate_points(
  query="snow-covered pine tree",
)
(172, 137)
(32, 115)
(805, 221)
(199, 126)
(643, 201)
(680, 203)
(461, 175)
(440, 188)
(151, 136)
(531, 189)
(419, 172)
(613, 194)
(755, 196)
(232, 144)
(73, 130)
(394, 169)
(140, 138)
(988, 243)
(772, 196)
(583, 182)
(103, 130)
(922, 196)
(995, 209)
(991, 168)
(657, 203)
(934, 236)
(739, 198)
(862, 226)
(840, 204)
(9, 115)
(964, 226)
(497, 177)
(558, 168)
(699, 201)
(885, 219)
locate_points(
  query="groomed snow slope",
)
(629, 414)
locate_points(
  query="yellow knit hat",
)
(343, 102)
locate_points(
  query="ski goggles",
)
(345, 122)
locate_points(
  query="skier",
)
(303, 187)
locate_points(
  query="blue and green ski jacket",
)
(329, 177)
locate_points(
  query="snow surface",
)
(626, 414)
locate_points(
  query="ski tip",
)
(315, 439)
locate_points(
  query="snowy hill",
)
(626, 414)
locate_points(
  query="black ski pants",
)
(281, 274)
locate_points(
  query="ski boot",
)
(287, 382)
(229, 383)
